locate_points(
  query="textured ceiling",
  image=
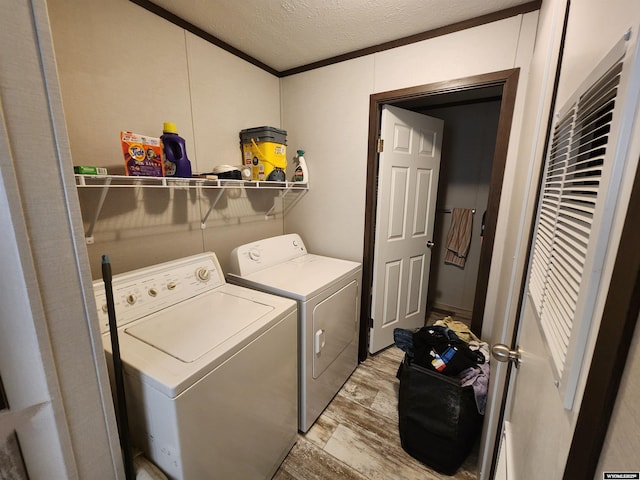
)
(285, 34)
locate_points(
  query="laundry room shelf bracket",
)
(298, 187)
(103, 195)
(203, 223)
(108, 182)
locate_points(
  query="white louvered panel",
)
(555, 172)
(557, 302)
(570, 227)
(590, 141)
(550, 202)
(579, 202)
(541, 256)
(591, 123)
(575, 220)
(548, 324)
(567, 293)
(567, 206)
(548, 219)
(574, 214)
(574, 243)
(558, 274)
(561, 312)
(573, 233)
(576, 180)
(602, 96)
(549, 207)
(570, 266)
(537, 281)
(553, 184)
(575, 208)
(561, 140)
(587, 161)
(561, 330)
(546, 233)
(571, 271)
(544, 246)
(536, 289)
(584, 170)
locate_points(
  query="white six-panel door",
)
(408, 171)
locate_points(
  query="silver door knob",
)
(503, 353)
(430, 244)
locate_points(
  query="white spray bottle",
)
(301, 173)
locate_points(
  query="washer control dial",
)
(254, 254)
(153, 292)
(202, 274)
(132, 298)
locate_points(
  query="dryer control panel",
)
(262, 254)
(142, 292)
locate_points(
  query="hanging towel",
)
(459, 236)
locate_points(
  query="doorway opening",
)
(497, 86)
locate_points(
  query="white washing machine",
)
(210, 369)
(328, 294)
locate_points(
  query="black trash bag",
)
(437, 418)
(439, 348)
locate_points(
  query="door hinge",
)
(371, 323)
(380, 145)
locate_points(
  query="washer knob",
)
(202, 274)
(254, 254)
(153, 292)
(132, 298)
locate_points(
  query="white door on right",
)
(582, 179)
(409, 168)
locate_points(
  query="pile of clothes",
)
(449, 347)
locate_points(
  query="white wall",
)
(124, 68)
(326, 112)
(486, 48)
(120, 68)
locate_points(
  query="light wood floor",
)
(356, 437)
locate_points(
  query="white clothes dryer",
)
(327, 291)
(210, 369)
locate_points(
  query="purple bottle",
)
(176, 163)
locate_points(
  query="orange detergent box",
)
(142, 155)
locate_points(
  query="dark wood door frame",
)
(508, 80)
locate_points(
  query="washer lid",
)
(191, 329)
(300, 278)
